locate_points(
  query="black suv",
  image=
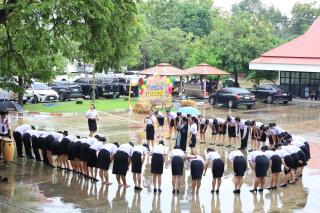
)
(67, 90)
(233, 97)
(271, 92)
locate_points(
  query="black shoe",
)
(228, 145)
(217, 191)
(159, 190)
(212, 191)
(260, 190)
(31, 157)
(250, 150)
(253, 190)
(236, 191)
(38, 159)
(178, 191)
(136, 188)
(155, 190)
(284, 185)
(173, 191)
(139, 188)
(270, 188)
(292, 182)
(22, 156)
(275, 187)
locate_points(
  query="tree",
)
(200, 51)
(303, 15)
(239, 39)
(165, 46)
(191, 16)
(35, 35)
(271, 14)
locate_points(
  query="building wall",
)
(300, 84)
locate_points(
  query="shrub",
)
(79, 101)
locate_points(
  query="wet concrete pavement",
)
(33, 187)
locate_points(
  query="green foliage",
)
(303, 15)
(79, 101)
(191, 16)
(239, 39)
(37, 36)
(200, 51)
(256, 76)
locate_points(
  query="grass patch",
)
(72, 107)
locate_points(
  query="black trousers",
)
(27, 144)
(18, 139)
(35, 147)
(244, 140)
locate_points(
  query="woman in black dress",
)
(182, 135)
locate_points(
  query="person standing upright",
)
(92, 116)
(4, 126)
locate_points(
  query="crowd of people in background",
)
(272, 148)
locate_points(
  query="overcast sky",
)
(284, 5)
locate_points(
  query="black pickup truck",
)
(110, 87)
(66, 90)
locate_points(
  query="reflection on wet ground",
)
(33, 187)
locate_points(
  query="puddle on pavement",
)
(36, 188)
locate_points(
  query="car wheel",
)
(61, 97)
(230, 103)
(212, 101)
(269, 99)
(285, 102)
(249, 107)
(35, 99)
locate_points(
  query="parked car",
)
(66, 90)
(233, 97)
(104, 87)
(39, 92)
(270, 93)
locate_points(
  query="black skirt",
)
(64, 146)
(232, 131)
(196, 168)
(193, 141)
(77, 149)
(157, 163)
(150, 132)
(92, 123)
(84, 148)
(295, 161)
(104, 160)
(262, 166)
(171, 123)
(71, 152)
(263, 137)
(136, 162)
(121, 163)
(161, 121)
(222, 129)
(308, 149)
(47, 142)
(217, 168)
(92, 158)
(35, 142)
(289, 163)
(303, 158)
(305, 151)
(55, 148)
(239, 166)
(276, 164)
(203, 128)
(177, 165)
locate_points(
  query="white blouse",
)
(92, 114)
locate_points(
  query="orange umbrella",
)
(164, 69)
(205, 69)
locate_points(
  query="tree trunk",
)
(20, 94)
(94, 82)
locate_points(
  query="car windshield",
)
(38, 86)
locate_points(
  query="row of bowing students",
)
(86, 156)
